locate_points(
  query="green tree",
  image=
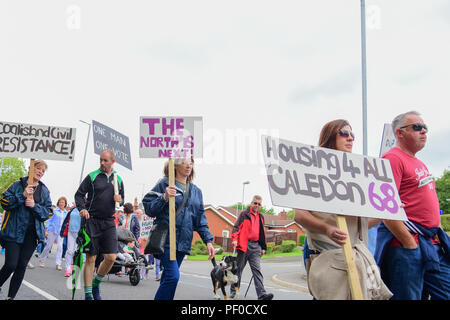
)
(11, 171)
(443, 191)
(261, 209)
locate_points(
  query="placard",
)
(388, 140)
(171, 137)
(146, 225)
(108, 138)
(319, 179)
(23, 140)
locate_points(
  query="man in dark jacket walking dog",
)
(250, 241)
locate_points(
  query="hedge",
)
(286, 246)
(445, 222)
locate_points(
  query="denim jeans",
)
(170, 275)
(408, 280)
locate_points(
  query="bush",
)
(301, 239)
(270, 247)
(199, 248)
(287, 246)
(445, 222)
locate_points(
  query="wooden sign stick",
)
(172, 236)
(353, 278)
(31, 176)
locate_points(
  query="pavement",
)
(292, 280)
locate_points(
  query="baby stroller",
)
(135, 266)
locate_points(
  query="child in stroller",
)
(128, 257)
(125, 253)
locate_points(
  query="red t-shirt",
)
(254, 231)
(416, 188)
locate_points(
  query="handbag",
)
(158, 233)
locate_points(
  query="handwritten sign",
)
(388, 140)
(23, 140)
(326, 180)
(107, 138)
(146, 225)
(171, 137)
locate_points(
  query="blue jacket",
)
(74, 222)
(430, 258)
(17, 215)
(56, 220)
(191, 218)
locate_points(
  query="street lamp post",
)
(364, 74)
(85, 150)
(243, 187)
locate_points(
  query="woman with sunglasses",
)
(327, 275)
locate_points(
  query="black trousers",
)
(17, 256)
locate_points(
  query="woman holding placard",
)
(190, 217)
(327, 267)
(26, 207)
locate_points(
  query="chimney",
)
(282, 215)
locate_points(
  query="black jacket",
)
(99, 189)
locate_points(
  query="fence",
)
(278, 237)
(225, 243)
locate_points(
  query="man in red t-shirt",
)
(250, 241)
(403, 260)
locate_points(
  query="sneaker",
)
(58, 267)
(266, 296)
(30, 265)
(88, 298)
(96, 293)
(68, 273)
(158, 278)
(41, 264)
(148, 268)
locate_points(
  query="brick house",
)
(221, 221)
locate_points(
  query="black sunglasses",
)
(346, 133)
(416, 126)
(257, 203)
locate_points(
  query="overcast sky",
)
(247, 67)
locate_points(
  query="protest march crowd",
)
(410, 261)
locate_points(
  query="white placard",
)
(326, 180)
(23, 140)
(388, 140)
(170, 137)
(146, 225)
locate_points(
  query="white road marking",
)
(48, 296)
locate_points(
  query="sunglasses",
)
(257, 203)
(346, 133)
(416, 126)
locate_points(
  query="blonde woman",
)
(26, 208)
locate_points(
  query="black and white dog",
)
(223, 274)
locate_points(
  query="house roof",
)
(224, 217)
(228, 214)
